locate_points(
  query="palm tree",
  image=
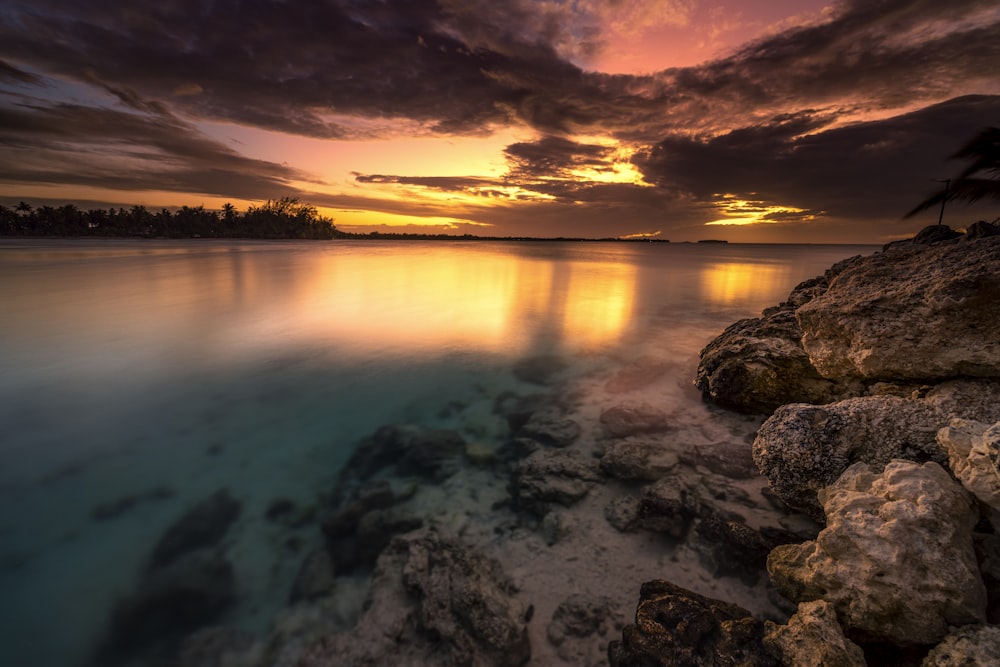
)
(979, 180)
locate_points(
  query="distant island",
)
(284, 218)
(713, 241)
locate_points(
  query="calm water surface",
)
(162, 371)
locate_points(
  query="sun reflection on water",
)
(732, 282)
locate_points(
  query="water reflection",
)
(725, 284)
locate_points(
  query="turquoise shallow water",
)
(144, 376)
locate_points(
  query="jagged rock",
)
(802, 448)
(669, 506)
(638, 460)
(967, 646)
(314, 578)
(435, 601)
(981, 229)
(674, 626)
(407, 450)
(896, 559)
(932, 234)
(189, 592)
(549, 476)
(813, 637)
(974, 454)
(636, 375)
(204, 525)
(634, 419)
(550, 426)
(580, 627)
(917, 312)
(758, 364)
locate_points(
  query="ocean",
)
(139, 377)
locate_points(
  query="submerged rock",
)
(408, 450)
(550, 426)
(190, 592)
(204, 525)
(548, 477)
(647, 460)
(675, 626)
(581, 628)
(813, 636)
(896, 559)
(634, 419)
(433, 600)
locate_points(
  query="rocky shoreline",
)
(882, 378)
(837, 508)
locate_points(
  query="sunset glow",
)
(597, 119)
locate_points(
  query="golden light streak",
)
(740, 212)
(732, 282)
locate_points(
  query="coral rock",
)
(896, 559)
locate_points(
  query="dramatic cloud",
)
(842, 116)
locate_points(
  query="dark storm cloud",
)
(877, 169)
(68, 143)
(769, 119)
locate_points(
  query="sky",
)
(785, 121)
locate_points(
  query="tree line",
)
(284, 218)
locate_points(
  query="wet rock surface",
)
(582, 627)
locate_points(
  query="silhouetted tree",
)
(979, 180)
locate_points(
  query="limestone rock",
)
(675, 626)
(974, 454)
(638, 460)
(550, 476)
(981, 229)
(813, 637)
(917, 312)
(433, 600)
(896, 559)
(634, 419)
(967, 646)
(758, 364)
(803, 448)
